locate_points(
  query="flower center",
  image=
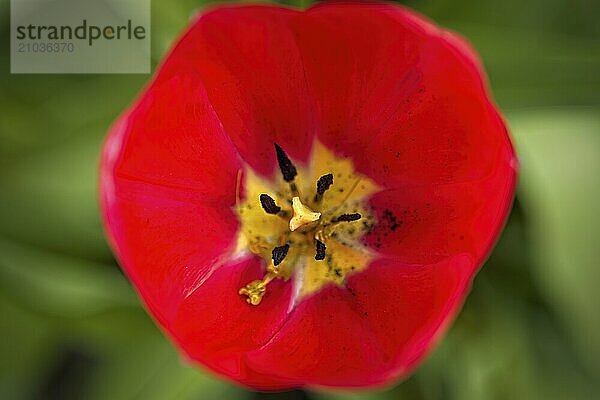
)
(307, 226)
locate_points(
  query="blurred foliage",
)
(73, 328)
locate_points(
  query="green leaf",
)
(135, 360)
(26, 350)
(560, 187)
(59, 285)
(50, 199)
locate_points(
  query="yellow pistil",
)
(325, 232)
(302, 215)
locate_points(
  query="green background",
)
(71, 326)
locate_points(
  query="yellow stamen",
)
(300, 225)
(302, 214)
(273, 270)
(255, 291)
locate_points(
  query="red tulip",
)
(304, 197)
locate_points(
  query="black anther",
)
(320, 255)
(348, 217)
(288, 170)
(268, 204)
(279, 253)
(324, 183)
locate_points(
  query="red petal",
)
(325, 341)
(155, 178)
(425, 224)
(407, 307)
(371, 332)
(359, 63)
(448, 132)
(167, 246)
(249, 63)
(401, 98)
(215, 325)
(173, 139)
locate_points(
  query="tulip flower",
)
(303, 198)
